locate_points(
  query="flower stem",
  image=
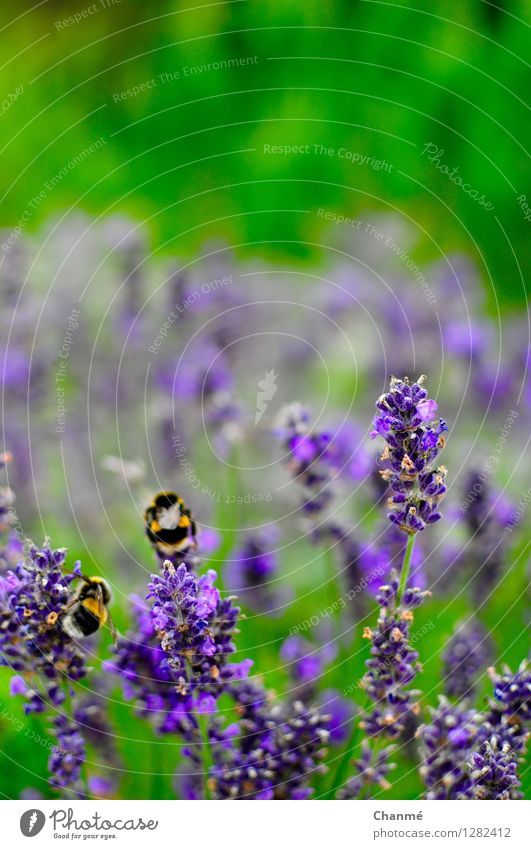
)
(331, 577)
(406, 565)
(342, 770)
(205, 751)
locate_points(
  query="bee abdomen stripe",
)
(95, 609)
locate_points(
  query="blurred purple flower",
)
(370, 770)
(447, 742)
(340, 712)
(252, 569)
(465, 659)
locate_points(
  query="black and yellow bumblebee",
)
(169, 524)
(88, 611)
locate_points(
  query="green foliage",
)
(380, 80)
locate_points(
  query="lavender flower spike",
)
(510, 709)
(274, 750)
(195, 627)
(67, 758)
(465, 659)
(33, 598)
(393, 663)
(446, 744)
(412, 445)
(371, 769)
(494, 771)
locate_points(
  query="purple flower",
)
(502, 736)
(68, 757)
(306, 456)
(493, 770)
(33, 598)
(340, 714)
(195, 627)
(17, 686)
(179, 616)
(370, 770)
(146, 677)
(447, 741)
(412, 446)
(252, 569)
(465, 659)
(317, 459)
(393, 663)
(273, 753)
(512, 693)
(484, 555)
(306, 664)
(101, 787)
(426, 409)
(510, 709)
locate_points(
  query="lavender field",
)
(343, 614)
(266, 400)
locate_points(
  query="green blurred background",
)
(187, 153)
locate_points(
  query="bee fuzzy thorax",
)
(169, 524)
(92, 587)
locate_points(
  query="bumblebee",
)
(169, 524)
(87, 612)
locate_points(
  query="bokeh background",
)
(381, 79)
(150, 151)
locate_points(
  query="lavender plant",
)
(446, 744)
(178, 663)
(33, 597)
(484, 556)
(472, 755)
(493, 771)
(465, 659)
(273, 749)
(252, 570)
(393, 663)
(509, 711)
(370, 770)
(412, 446)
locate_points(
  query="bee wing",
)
(112, 629)
(104, 614)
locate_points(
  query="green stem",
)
(335, 592)
(341, 772)
(406, 565)
(229, 512)
(205, 750)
